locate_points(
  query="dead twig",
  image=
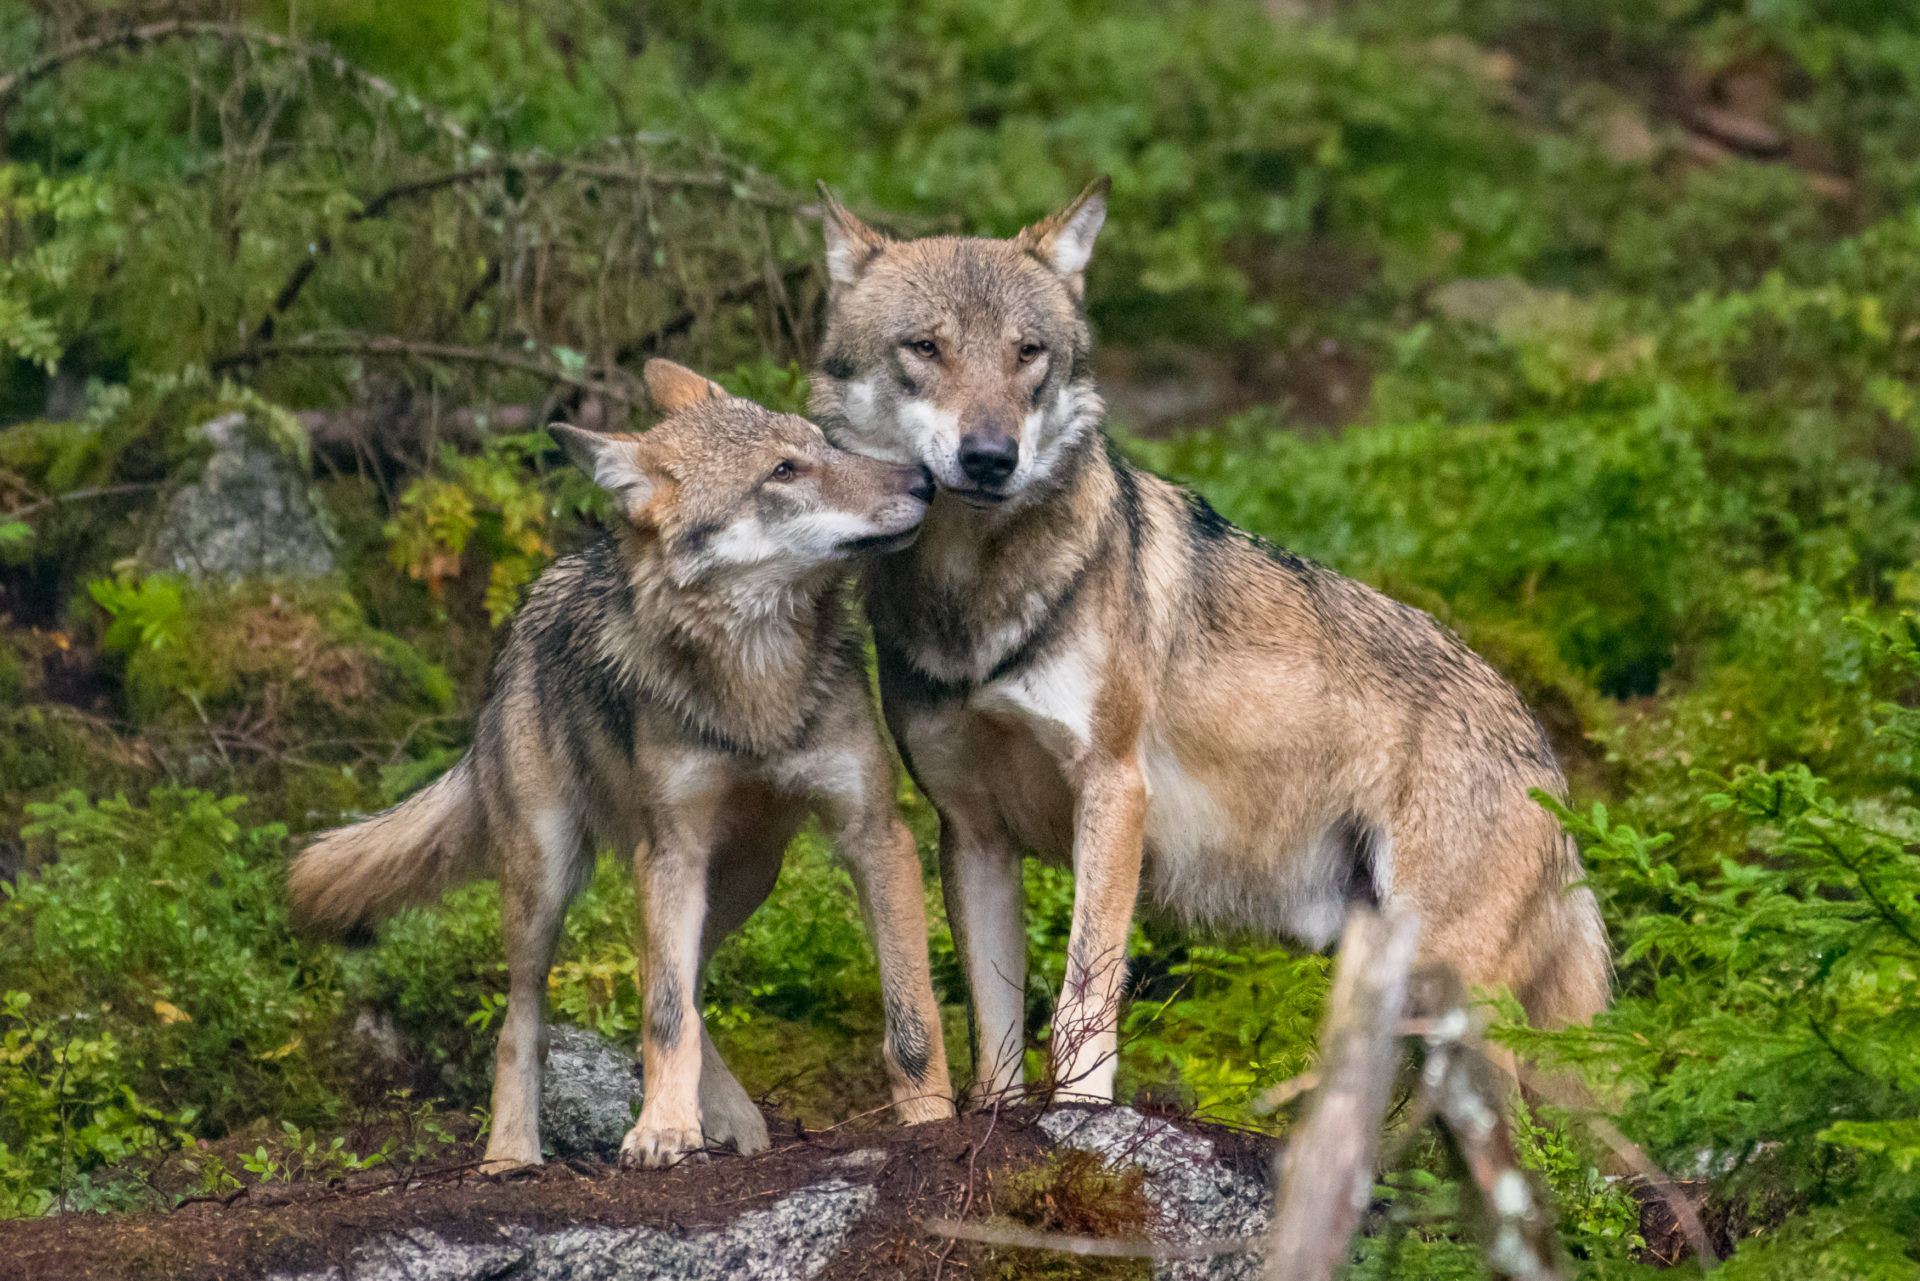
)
(1096, 1247)
(1467, 1093)
(77, 495)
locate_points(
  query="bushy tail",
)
(353, 877)
(1573, 975)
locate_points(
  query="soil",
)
(939, 1170)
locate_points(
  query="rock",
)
(861, 1159)
(792, 1240)
(1198, 1197)
(248, 515)
(590, 1093)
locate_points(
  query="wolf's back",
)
(355, 876)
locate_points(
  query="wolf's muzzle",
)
(989, 460)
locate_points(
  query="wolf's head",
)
(734, 493)
(967, 356)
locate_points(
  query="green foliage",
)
(1768, 1035)
(1240, 1021)
(151, 985)
(1632, 412)
(284, 685)
(489, 500)
(48, 228)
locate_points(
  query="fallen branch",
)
(1325, 1175)
(1095, 1247)
(1468, 1094)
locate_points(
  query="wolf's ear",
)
(1065, 241)
(675, 387)
(851, 244)
(618, 464)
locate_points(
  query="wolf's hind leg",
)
(541, 865)
(728, 1113)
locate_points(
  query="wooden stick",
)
(1325, 1176)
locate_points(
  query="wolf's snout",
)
(988, 460)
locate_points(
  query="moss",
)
(285, 692)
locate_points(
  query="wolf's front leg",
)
(1109, 822)
(886, 872)
(980, 879)
(672, 878)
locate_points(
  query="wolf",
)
(690, 687)
(1082, 660)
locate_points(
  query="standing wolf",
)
(688, 688)
(1083, 660)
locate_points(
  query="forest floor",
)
(947, 1169)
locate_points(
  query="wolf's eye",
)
(925, 348)
(785, 471)
(1029, 351)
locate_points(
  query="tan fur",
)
(1084, 661)
(690, 689)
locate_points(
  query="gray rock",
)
(792, 1240)
(590, 1093)
(419, 1255)
(1197, 1198)
(248, 515)
(861, 1159)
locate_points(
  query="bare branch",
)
(1326, 1173)
(1467, 1093)
(377, 205)
(1095, 1247)
(13, 85)
(383, 345)
(78, 495)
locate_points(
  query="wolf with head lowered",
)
(1084, 661)
(689, 689)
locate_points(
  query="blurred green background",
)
(1593, 328)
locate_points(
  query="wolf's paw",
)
(501, 1162)
(735, 1121)
(657, 1148)
(918, 1109)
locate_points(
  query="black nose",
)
(922, 486)
(988, 460)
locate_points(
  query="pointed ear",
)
(851, 244)
(675, 387)
(1065, 240)
(618, 464)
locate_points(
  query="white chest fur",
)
(1053, 700)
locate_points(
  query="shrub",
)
(151, 986)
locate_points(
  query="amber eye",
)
(785, 471)
(925, 348)
(1029, 351)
